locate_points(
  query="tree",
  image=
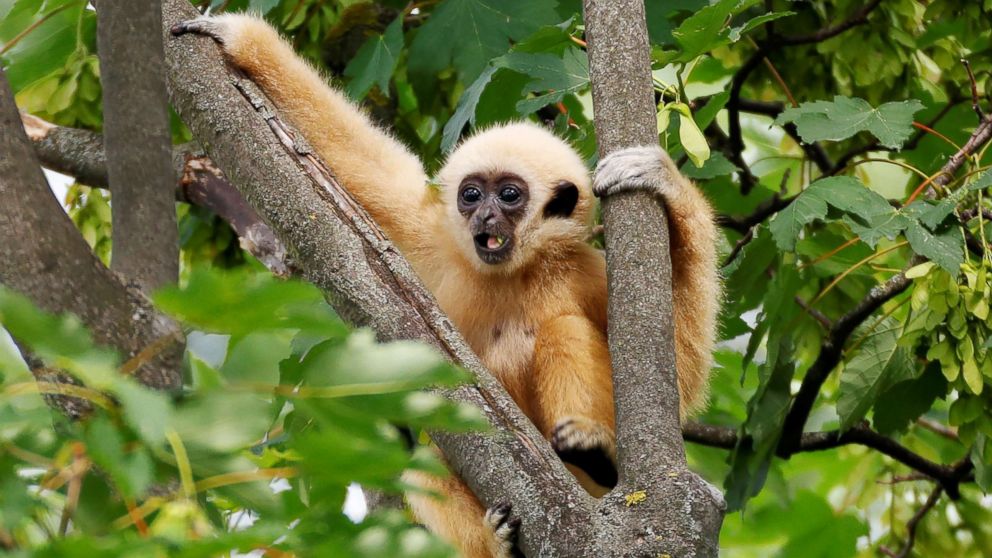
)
(857, 268)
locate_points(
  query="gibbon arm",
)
(382, 174)
(692, 236)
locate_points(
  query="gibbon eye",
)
(471, 195)
(509, 194)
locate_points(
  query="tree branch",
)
(341, 250)
(765, 49)
(79, 153)
(947, 476)
(138, 142)
(45, 258)
(832, 346)
(685, 512)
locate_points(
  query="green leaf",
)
(690, 137)
(789, 223)
(47, 48)
(559, 76)
(396, 366)
(891, 123)
(867, 213)
(222, 422)
(715, 165)
(946, 249)
(255, 358)
(898, 406)
(131, 472)
(467, 34)
(707, 28)
(375, 62)
(146, 411)
(465, 111)
(240, 302)
(880, 363)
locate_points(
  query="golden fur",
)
(539, 321)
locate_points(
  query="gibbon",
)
(503, 248)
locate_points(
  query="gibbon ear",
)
(563, 201)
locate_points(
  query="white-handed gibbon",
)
(503, 248)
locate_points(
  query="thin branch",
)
(947, 476)
(765, 49)
(975, 103)
(80, 154)
(829, 32)
(914, 522)
(831, 352)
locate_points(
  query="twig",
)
(914, 521)
(975, 105)
(937, 428)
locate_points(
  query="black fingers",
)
(196, 27)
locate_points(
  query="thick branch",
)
(79, 153)
(686, 513)
(138, 142)
(342, 251)
(45, 258)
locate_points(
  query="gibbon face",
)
(513, 192)
(493, 205)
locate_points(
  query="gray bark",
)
(682, 514)
(138, 141)
(341, 250)
(44, 257)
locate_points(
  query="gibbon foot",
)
(589, 446)
(646, 168)
(504, 529)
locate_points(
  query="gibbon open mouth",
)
(492, 248)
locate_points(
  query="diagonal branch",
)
(341, 250)
(831, 348)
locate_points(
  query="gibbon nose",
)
(488, 215)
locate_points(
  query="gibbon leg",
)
(459, 518)
(692, 236)
(573, 394)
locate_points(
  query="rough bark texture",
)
(682, 513)
(341, 250)
(45, 258)
(138, 141)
